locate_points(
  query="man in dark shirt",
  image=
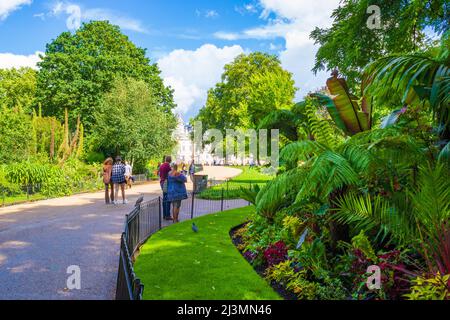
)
(164, 170)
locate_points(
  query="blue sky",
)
(190, 40)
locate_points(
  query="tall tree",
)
(349, 44)
(130, 122)
(18, 88)
(251, 87)
(77, 69)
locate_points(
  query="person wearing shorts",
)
(118, 179)
(176, 190)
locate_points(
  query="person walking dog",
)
(176, 190)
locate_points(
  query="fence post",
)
(192, 205)
(159, 210)
(28, 192)
(221, 202)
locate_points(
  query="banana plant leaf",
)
(347, 108)
(328, 103)
(366, 102)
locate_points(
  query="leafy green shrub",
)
(27, 173)
(94, 157)
(437, 288)
(6, 187)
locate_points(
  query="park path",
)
(39, 241)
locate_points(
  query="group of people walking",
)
(173, 178)
(117, 174)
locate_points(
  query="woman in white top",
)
(128, 174)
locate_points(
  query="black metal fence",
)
(146, 219)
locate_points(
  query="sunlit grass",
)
(249, 177)
(177, 263)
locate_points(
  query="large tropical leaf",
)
(301, 151)
(328, 103)
(347, 106)
(279, 192)
(416, 77)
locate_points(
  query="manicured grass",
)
(177, 263)
(22, 198)
(248, 177)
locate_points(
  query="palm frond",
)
(249, 194)
(330, 171)
(374, 213)
(301, 151)
(415, 77)
(279, 192)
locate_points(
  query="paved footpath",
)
(39, 241)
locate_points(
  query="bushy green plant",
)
(436, 288)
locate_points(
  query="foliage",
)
(275, 253)
(362, 243)
(130, 123)
(252, 86)
(292, 123)
(18, 88)
(77, 69)
(15, 135)
(250, 194)
(421, 221)
(436, 288)
(350, 45)
(344, 108)
(420, 79)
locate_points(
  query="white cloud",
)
(294, 20)
(8, 6)
(227, 35)
(192, 73)
(249, 8)
(76, 14)
(10, 60)
(211, 14)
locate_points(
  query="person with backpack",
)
(118, 179)
(107, 174)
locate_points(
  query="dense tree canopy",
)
(18, 88)
(15, 135)
(350, 45)
(77, 69)
(130, 122)
(252, 86)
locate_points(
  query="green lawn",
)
(247, 178)
(177, 263)
(22, 198)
